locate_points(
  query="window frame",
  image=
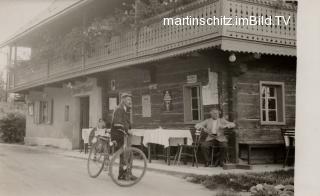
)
(67, 113)
(38, 117)
(282, 86)
(198, 84)
(44, 119)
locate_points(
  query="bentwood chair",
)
(183, 148)
(289, 141)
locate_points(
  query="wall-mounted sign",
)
(146, 106)
(192, 79)
(112, 103)
(167, 100)
(153, 86)
(83, 87)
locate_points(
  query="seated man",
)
(101, 124)
(214, 126)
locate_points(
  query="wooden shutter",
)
(280, 103)
(187, 104)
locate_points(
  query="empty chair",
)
(289, 141)
(183, 148)
(176, 143)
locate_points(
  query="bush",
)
(244, 181)
(13, 128)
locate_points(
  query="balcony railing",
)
(153, 40)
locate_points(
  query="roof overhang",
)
(238, 45)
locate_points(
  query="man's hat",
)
(124, 95)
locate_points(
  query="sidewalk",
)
(161, 166)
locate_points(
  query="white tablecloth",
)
(85, 135)
(161, 136)
(100, 132)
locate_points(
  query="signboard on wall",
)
(192, 79)
(83, 87)
(146, 106)
(210, 95)
(112, 103)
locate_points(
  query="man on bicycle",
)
(121, 120)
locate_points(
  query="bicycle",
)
(132, 161)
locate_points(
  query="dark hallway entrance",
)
(84, 115)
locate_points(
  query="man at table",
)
(214, 127)
(121, 120)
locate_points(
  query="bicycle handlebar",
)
(120, 128)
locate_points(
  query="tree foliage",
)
(13, 128)
(3, 93)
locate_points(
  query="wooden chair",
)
(289, 141)
(173, 143)
(196, 136)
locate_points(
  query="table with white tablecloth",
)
(85, 133)
(162, 137)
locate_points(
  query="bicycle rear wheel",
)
(127, 167)
(96, 159)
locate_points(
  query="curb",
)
(163, 171)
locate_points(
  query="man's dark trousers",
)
(206, 146)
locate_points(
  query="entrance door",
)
(84, 115)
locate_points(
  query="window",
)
(272, 103)
(43, 112)
(192, 104)
(30, 109)
(66, 113)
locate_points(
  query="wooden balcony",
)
(153, 41)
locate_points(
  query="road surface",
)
(30, 171)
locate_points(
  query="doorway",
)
(84, 115)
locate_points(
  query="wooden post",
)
(9, 55)
(15, 54)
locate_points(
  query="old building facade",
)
(175, 74)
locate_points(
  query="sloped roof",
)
(56, 9)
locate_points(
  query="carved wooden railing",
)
(152, 40)
(277, 34)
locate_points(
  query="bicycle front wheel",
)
(127, 167)
(96, 159)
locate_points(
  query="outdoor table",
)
(161, 136)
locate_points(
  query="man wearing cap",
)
(121, 120)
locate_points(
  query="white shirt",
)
(214, 126)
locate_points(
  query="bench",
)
(261, 144)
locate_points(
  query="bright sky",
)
(13, 15)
